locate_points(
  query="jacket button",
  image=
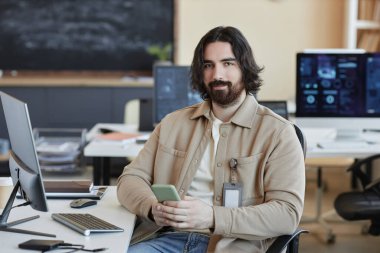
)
(224, 134)
(219, 164)
(181, 191)
(218, 198)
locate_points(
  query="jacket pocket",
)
(168, 163)
(250, 173)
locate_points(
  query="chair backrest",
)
(302, 139)
(362, 205)
(139, 112)
(356, 169)
(278, 106)
(132, 112)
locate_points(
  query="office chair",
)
(139, 112)
(290, 242)
(365, 204)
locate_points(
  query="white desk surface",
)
(98, 148)
(313, 136)
(107, 208)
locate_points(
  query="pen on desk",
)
(319, 146)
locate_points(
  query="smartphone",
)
(165, 192)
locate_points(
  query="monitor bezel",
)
(361, 56)
(342, 123)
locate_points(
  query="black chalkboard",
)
(83, 34)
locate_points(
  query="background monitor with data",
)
(333, 89)
(172, 90)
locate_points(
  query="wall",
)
(276, 30)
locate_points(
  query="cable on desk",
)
(74, 248)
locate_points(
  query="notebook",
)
(84, 186)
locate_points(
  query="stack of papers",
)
(71, 189)
(58, 156)
(77, 186)
(123, 139)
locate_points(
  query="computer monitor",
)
(23, 164)
(338, 90)
(172, 90)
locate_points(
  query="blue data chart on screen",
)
(172, 90)
(330, 85)
(373, 83)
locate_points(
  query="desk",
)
(316, 135)
(101, 152)
(108, 209)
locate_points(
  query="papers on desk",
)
(58, 154)
(344, 145)
(371, 136)
(64, 148)
(316, 134)
(122, 139)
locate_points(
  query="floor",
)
(348, 235)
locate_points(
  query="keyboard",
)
(85, 223)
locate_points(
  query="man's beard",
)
(225, 97)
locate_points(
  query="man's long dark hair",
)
(240, 48)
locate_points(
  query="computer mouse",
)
(80, 203)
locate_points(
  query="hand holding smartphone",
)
(165, 192)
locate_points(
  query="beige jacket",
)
(270, 167)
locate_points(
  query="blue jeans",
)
(174, 242)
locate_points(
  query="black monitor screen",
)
(337, 85)
(172, 90)
(373, 84)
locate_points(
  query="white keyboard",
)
(341, 145)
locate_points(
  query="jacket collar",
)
(244, 116)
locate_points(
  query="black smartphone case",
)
(40, 244)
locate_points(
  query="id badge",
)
(232, 194)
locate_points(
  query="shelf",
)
(367, 24)
(363, 25)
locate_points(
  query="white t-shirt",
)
(202, 186)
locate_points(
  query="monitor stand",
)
(6, 226)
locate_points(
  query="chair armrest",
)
(286, 240)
